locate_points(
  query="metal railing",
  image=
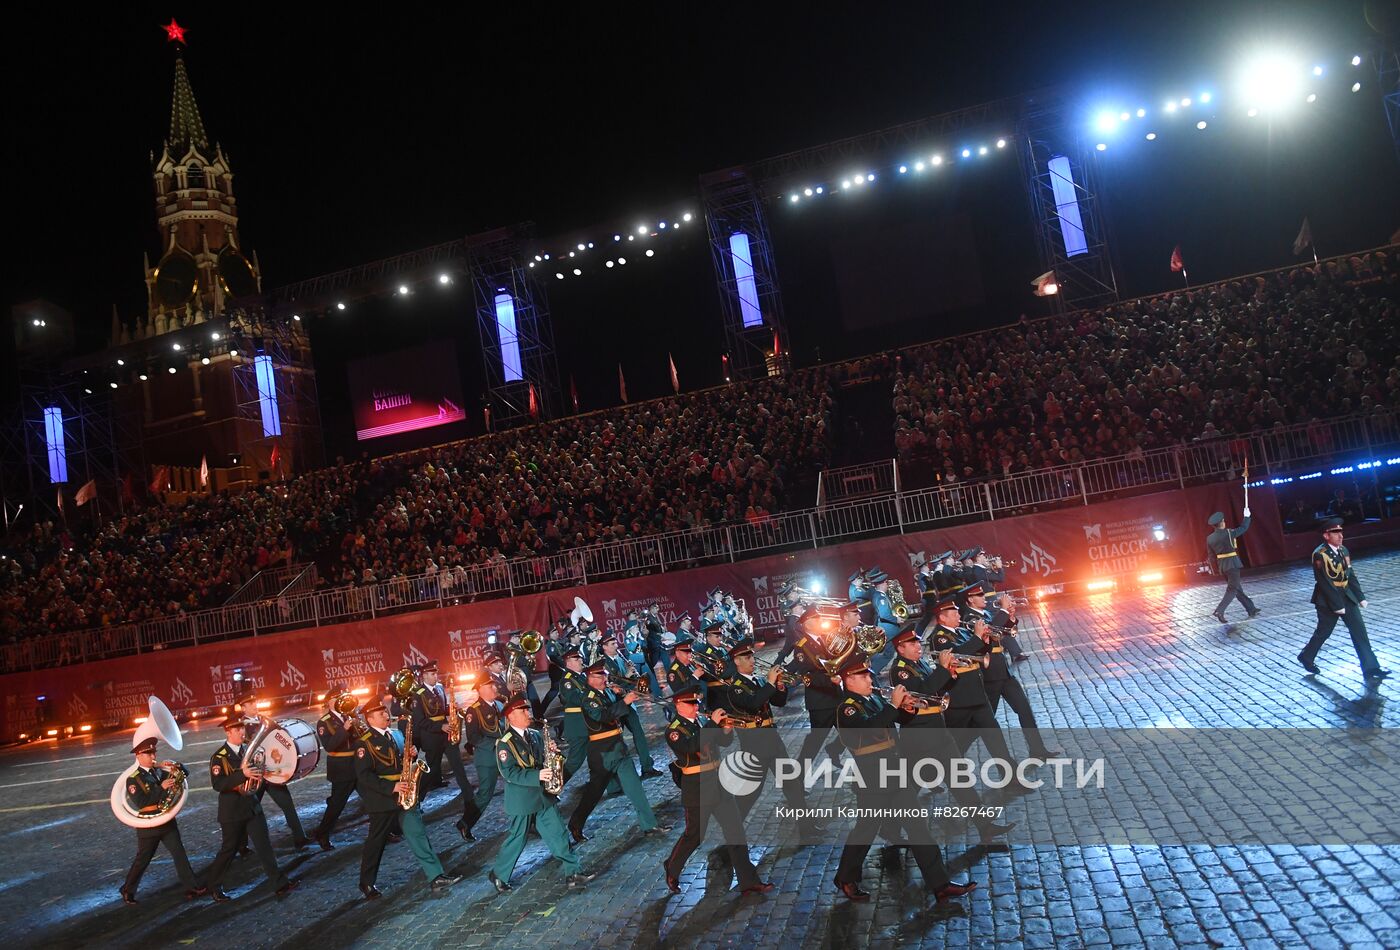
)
(1271, 452)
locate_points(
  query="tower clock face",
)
(236, 273)
(177, 279)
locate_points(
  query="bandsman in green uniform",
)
(617, 666)
(379, 762)
(696, 740)
(1222, 547)
(483, 722)
(520, 755)
(146, 787)
(571, 690)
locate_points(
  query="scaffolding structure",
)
(516, 332)
(274, 381)
(1388, 74)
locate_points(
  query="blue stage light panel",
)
(747, 287)
(1067, 206)
(267, 396)
(53, 440)
(510, 339)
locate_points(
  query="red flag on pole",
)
(204, 472)
(621, 383)
(573, 392)
(777, 344)
(486, 417)
(534, 403)
(675, 378)
(1178, 265)
(1045, 285)
(161, 481)
(275, 457)
(86, 494)
(724, 365)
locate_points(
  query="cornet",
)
(919, 700)
(764, 667)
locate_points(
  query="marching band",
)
(946, 659)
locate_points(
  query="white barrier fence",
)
(1275, 451)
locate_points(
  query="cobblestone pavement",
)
(1143, 659)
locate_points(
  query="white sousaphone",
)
(581, 611)
(160, 724)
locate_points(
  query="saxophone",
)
(454, 722)
(553, 760)
(413, 769)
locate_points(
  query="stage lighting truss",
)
(858, 180)
(604, 250)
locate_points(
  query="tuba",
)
(159, 724)
(581, 611)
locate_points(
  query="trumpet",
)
(702, 663)
(632, 684)
(764, 667)
(919, 700)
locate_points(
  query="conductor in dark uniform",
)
(146, 787)
(1337, 593)
(1223, 548)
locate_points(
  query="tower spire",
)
(186, 126)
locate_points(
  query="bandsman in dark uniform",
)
(240, 813)
(695, 741)
(608, 758)
(617, 666)
(867, 724)
(554, 648)
(714, 651)
(997, 678)
(969, 713)
(924, 575)
(430, 730)
(883, 609)
(146, 787)
(683, 671)
(1337, 593)
(790, 597)
(821, 691)
(483, 722)
(281, 795)
(656, 636)
(925, 735)
(520, 756)
(379, 761)
(750, 702)
(571, 690)
(337, 736)
(1222, 547)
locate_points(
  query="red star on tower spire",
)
(174, 32)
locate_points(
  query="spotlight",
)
(662, 225)
(650, 253)
(903, 169)
(1356, 60)
(577, 272)
(1204, 97)
(1151, 577)
(590, 245)
(1317, 70)
(1001, 143)
(213, 336)
(558, 275)
(621, 261)
(143, 377)
(572, 253)
(1141, 113)
(1170, 107)
(807, 192)
(403, 289)
(1201, 124)
(36, 323)
(820, 189)
(846, 183)
(1106, 122)
(538, 258)
(113, 385)
(176, 347)
(532, 263)
(617, 237)
(340, 306)
(982, 150)
(232, 352)
(1312, 97)
(687, 216)
(1101, 146)
(859, 179)
(444, 278)
(171, 370)
(1271, 82)
(296, 317)
(967, 153)
(546, 257)
(1185, 102)
(580, 247)
(1356, 87)
(121, 362)
(936, 160)
(795, 199)
(631, 237)
(1159, 532)
(88, 391)
(918, 166)
(608, 264)
(205, 361)
(870, 177)
(1151, 136)
(1123, 117)
(641, 229)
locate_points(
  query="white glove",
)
(1246, 511)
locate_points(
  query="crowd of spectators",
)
(1255, 353)
(726, 454)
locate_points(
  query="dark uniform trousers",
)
(609, 763)
(702, 798)
(767, 746)
(1234, 590)
(282, 796)
(249, 828)
(147, 840)
(1356, 626)
(1338, 588)
(341, 774)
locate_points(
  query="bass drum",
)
(292, 751)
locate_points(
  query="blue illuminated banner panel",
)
(510, 339)
(1067, 206)
(267, 396)
(53, 439)
(744, 280)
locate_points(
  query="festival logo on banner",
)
(610, 607)
(465, 647)
(1117, 547)
(766, 605)
(1040, 562)
(122, 700)
(77, 708)
(180, 694)
(616, 618)
(292, 679)
(354, 668)
(414, 656)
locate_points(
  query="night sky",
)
(359, 133)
